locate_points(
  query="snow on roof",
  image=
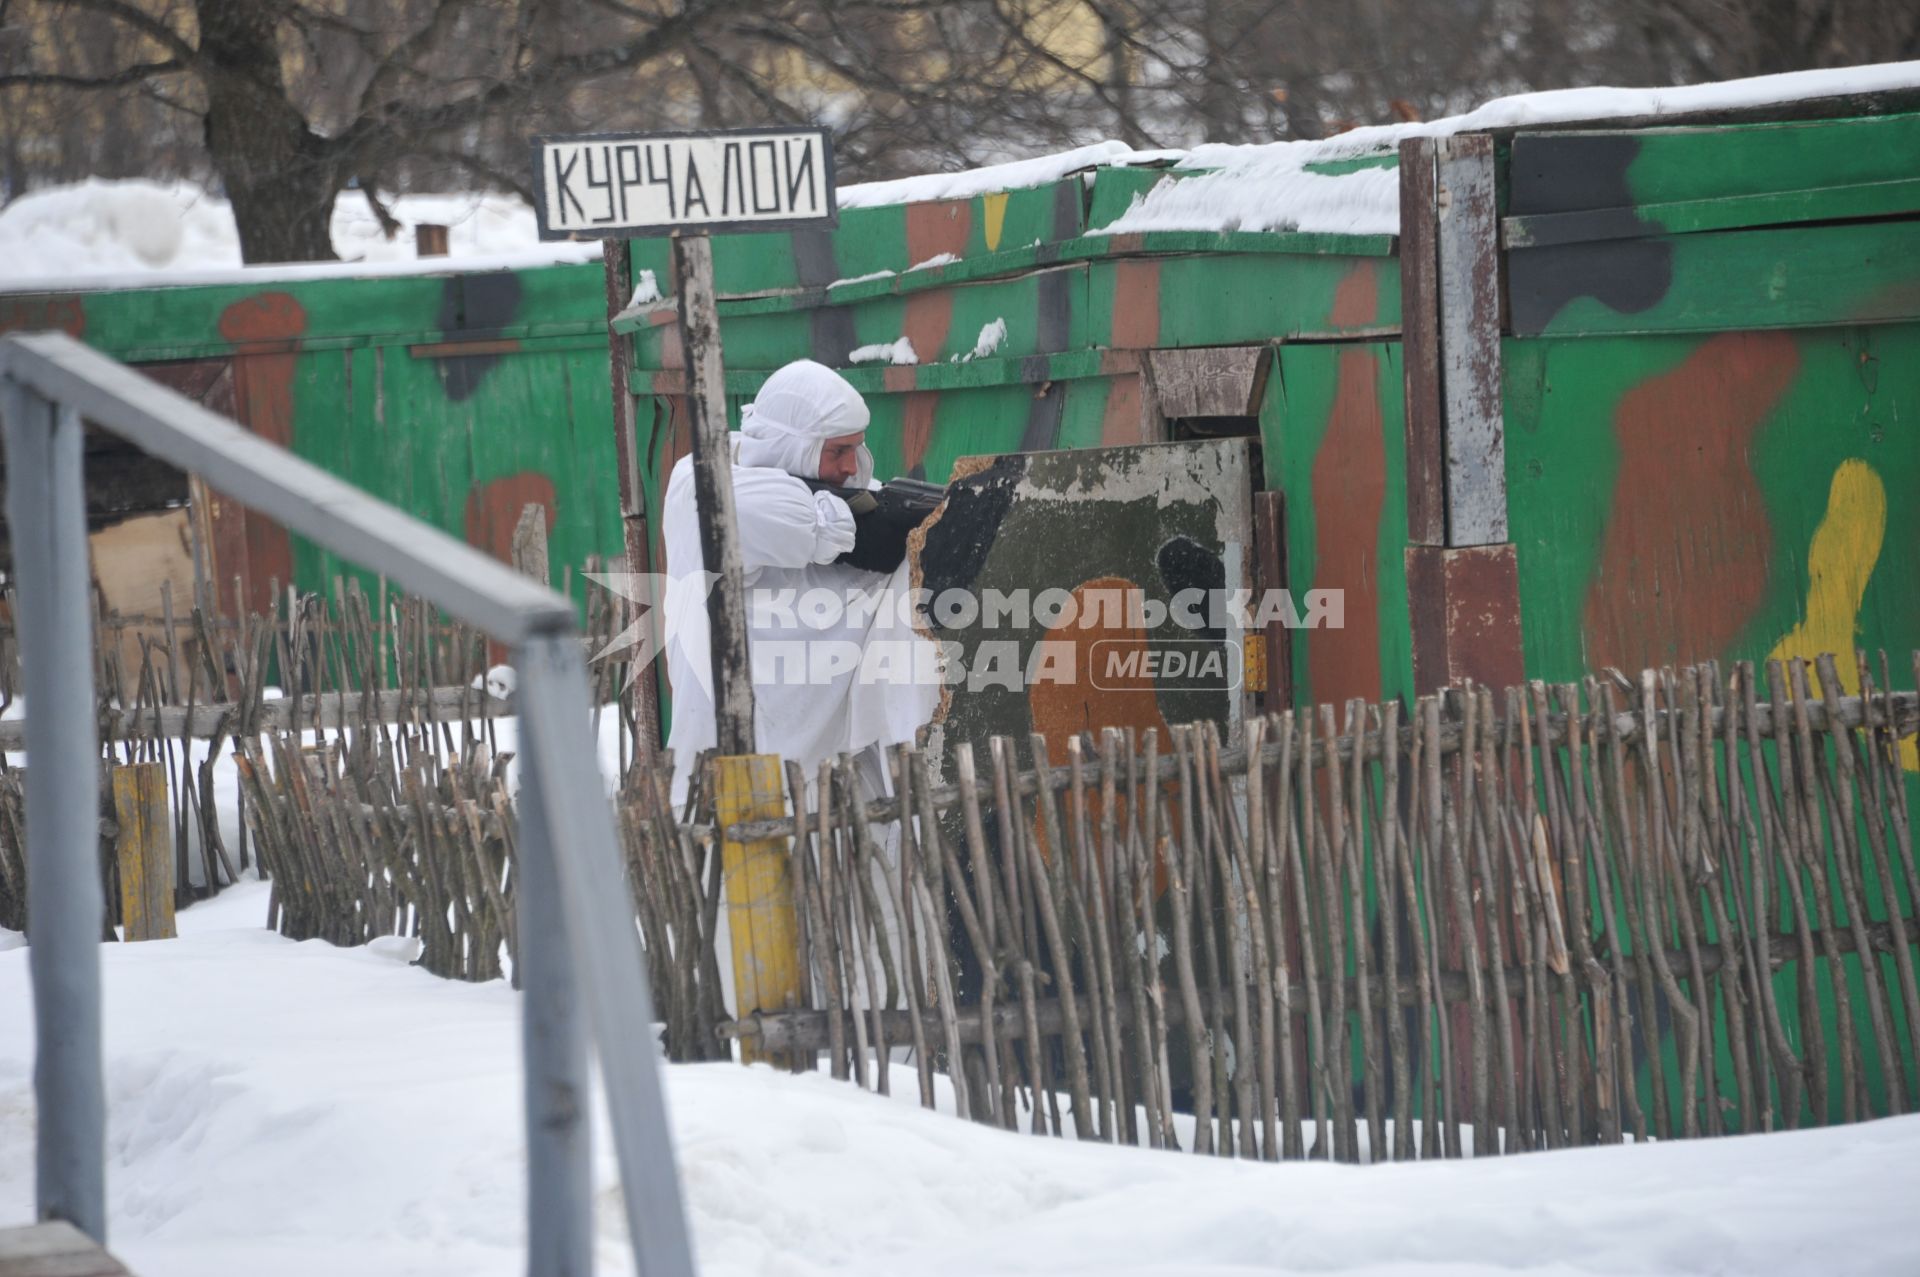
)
(1011, 176)
(1267, 186)
(136, 234)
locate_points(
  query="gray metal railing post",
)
(46, 513)
(574, 887)
(609, 961)
(553, 1049)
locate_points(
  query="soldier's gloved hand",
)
(833, 527)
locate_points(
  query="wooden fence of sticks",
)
(388, 711)
(1549, 917)
(1552, 916)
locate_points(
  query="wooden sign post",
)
(687, 185)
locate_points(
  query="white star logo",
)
(664, 607)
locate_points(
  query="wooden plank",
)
(1209, 381)
(1270, 568)
(54, 1249)
(1819, 204)
(1789, 277)
(144, 851)
(1470, 365)
(1465, 606)
(1420, 343)
(760, 914)
(1562, 171)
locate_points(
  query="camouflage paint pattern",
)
(456, 397)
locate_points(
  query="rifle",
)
(883, 517)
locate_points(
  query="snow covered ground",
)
(300, 1109)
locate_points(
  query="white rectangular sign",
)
(630, 184)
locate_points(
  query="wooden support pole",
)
(530, 543)
(144, 849)
(1270, 573)
(760, 912)
(1470, 376)
(642, 688)
(713, 494)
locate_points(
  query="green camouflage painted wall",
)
(456, 397)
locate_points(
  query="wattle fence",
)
(1490, 921)
(1546, 917)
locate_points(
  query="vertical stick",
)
(943, 985)
(985, 939)
(1143, 860)
(1047, 881)
(1794, 733)
(1665, 852)
(1587, 847)
(1306, 853)
(645, 693)
(1244, 1050)
(1456, 874)
(1273, 874)
(1813, 1072)
(913, 971)
(838, 893)
(1846, 854)
(1107, 1044)
(1010, 860)
(1443, 1119)
(1118, 901)
(1354, 815)
(1871, 757)
(1386, 888)
(1181, 856)
(1253, 864)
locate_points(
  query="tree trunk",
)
(277, 172)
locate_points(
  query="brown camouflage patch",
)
(1687, 507)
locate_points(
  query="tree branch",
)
(403, 57)
(118, 80)
(479, 168)
(146, 24)
(377, 128)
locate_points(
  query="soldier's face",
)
(840, 458)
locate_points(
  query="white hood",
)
(798, 408)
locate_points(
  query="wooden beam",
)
(143, 849)
(54, 1249)
(1420, 344)
(643, 689)
(1208, 381)
(713, 495)
(1470, 360)
(333, 710)
(760, 915)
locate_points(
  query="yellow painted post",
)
(144, 851)
(766, 935)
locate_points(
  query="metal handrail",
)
(578, 943)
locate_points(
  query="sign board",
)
(624, 185)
